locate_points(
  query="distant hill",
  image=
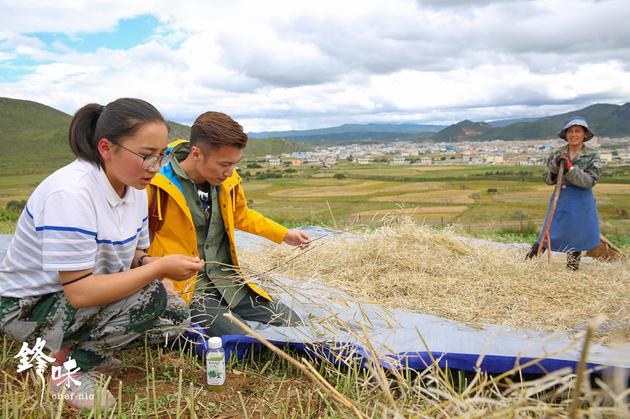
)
(177, 131)
(354, 133)
(258, 147)
(462, 131)
(506, 122)
(34, 138)
(604, 119)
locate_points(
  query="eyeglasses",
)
(150, 161)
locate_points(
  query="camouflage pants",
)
(93, 333)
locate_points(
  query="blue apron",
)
(575, 224)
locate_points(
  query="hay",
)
(415, 267)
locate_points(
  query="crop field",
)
(477, 199)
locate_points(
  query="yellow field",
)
(446, 197)
(416, 211)
(462, 195)
(326, 188)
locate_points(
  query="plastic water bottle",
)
(215, 364)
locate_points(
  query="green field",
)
(463, 196)
(477, 199)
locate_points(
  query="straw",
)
(409, 266)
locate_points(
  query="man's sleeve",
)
(247, 219)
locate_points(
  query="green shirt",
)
(586, 171)
(212, 240)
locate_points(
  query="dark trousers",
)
(573, 258)
(207, 309)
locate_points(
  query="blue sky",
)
(290, 65)
(127, 34)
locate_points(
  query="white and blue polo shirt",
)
(74, 220)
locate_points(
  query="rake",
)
(551, 210)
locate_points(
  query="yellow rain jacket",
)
(173, 230)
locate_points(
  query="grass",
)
(454, 195)
(154, 382)
(446, 195)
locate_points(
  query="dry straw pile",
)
(415, 267)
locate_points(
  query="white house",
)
(606, 156)
(399, 160)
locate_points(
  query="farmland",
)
(475, 199)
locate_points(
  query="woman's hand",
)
(567, 161)
(84, 289)
(179, 267)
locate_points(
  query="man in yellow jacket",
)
(195, 202)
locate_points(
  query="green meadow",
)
(480, 200)
(477, 199)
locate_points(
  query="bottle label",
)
(215, 372)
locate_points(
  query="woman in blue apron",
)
(575, 222)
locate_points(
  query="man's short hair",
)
(216, 129)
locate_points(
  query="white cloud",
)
(14, 40)
(299, 64)
(277, 61)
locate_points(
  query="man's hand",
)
(297, 238)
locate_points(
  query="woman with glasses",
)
(75, 275)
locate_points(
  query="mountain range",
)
(605, 120)
(34, 138)
(354, 133)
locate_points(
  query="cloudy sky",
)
(309, 64)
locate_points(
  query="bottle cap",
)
(215, 343)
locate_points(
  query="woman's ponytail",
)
(82, 133)
(120, 118)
